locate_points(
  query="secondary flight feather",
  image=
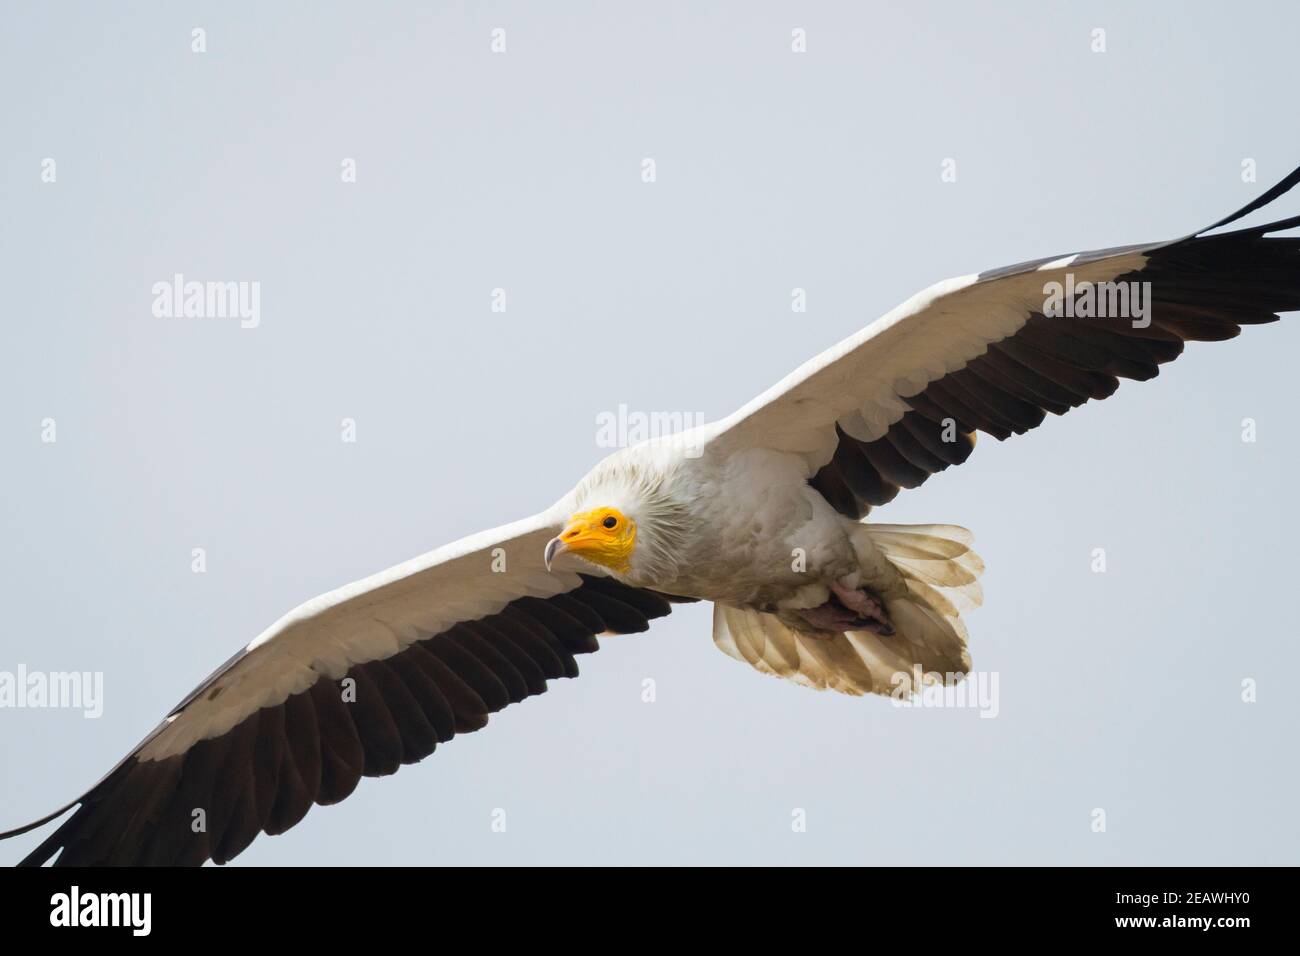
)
(762, 514)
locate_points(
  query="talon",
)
(849, 610)
(862, 601)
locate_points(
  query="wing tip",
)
(1274, 192)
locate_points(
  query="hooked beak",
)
(554, 547)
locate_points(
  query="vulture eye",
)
(610, 522)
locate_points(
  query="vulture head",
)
(603, 536)
(629, 517)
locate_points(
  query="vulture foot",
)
(849, 609)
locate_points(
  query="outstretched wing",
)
(903, 398)
(353, 683)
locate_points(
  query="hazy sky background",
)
(522, 171)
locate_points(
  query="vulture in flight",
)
(761, 513)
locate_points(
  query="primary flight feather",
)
(761, 514)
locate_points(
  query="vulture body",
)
(761, 513)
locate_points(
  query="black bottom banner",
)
(306, 905)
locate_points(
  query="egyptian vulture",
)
(761, 513)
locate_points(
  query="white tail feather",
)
(938, 555)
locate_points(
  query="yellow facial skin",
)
(603, 536)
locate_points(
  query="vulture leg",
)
(849, 609)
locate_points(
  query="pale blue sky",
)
(522, 171)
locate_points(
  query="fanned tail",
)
(925, 574)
